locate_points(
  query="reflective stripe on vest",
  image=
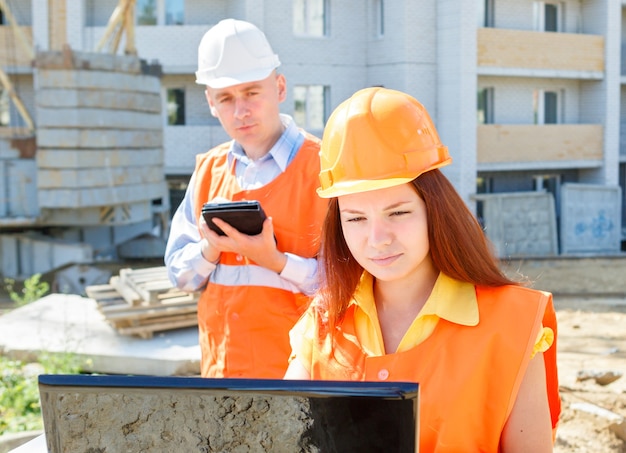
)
(251, 275)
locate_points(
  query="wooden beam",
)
(114, 21)
(5, 81)
(17, 31)
(129, 25)
(122, 20)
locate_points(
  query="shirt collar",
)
(283, 150)
(450, 299)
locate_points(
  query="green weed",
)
(32, 289)
(20, 409)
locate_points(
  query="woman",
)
(412, 291)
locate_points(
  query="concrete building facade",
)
(527, 95)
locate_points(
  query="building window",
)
(310, 106)
(310, 17)
(489, 13)
(146, 12)
(379, 18)
(485, 106)
(548, 16)
(160, 12)
(547, 107)
(175, 106)
(5, 112)
(622, 183)
(174, 12)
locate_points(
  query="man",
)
(253, 288)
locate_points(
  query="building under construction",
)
(100, 115)
(81, 149)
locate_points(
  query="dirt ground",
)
(591, 344)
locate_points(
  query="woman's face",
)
(386, 231)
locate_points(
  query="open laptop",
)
(99, 413)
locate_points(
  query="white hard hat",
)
(234, 52)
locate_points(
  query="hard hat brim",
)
(349, 187)
(228, 81)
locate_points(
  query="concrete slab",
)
(70, 323)
(36, 445)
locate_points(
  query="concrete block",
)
(100, 196)
(24, 257)
(41, 258)
(122, 214)
(67, 253)
(97, 80)
(520, 223)
(146, 246)
(82, 413)
(94, 139)
(9, 264)
(21, 188)
(590, 218)
(85, 118)
(101, 158)
(81, 178)
(28, 254)
(69, 59)
(122, 233)
(4, 196)
(104, 99)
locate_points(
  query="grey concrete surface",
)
(580, 276)
(60, 323)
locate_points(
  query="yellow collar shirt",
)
(450, 299)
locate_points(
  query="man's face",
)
(249, 112)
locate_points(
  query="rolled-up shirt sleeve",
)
(545, 339)
(302, 272)
(187, 268)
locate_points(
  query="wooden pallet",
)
(140, 302)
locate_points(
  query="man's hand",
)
(260, 248)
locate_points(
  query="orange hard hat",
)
(377, 138)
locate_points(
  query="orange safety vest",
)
(243, 329)
(469, 377)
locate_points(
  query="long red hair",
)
(458, 246)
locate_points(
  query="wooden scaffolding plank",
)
(148, 331)
(142, 301)
(148, 283)
(130, 295)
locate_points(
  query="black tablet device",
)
(246, 216)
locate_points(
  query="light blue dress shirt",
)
(187, 268)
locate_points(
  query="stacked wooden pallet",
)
(143, 301)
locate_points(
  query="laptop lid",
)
(169, 414)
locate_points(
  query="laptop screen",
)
(169, 414)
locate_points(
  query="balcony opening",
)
(548, 16)
(485, 106)
(310, 17)
(547, 107)
(490, 20)
(311, 106)
(160, 12)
